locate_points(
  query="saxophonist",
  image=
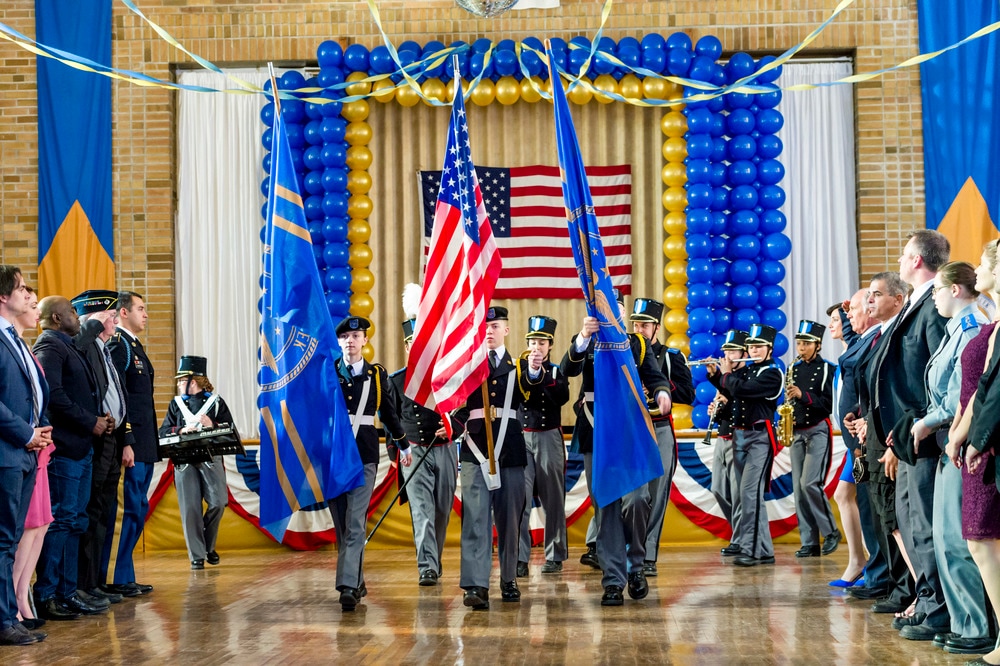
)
(810, 388)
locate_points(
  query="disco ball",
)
(486, 8)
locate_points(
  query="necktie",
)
(878, 334)
(26, 363)
(20, 350)
(113, 378)
(493, 359)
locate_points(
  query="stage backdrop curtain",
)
(821, 201)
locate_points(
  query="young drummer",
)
(724, 483)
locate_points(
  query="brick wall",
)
(878, 33)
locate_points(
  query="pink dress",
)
(980, 498)
(40, 508)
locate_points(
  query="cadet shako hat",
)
(761, 334)
(348, 324)
(192, 365)
(540, 326)
(646, 309)
(810, 331)
(95, 300)
(408, 327)
(496, 313)
(619, 296)
(735, 340)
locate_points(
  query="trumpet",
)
(716, 361)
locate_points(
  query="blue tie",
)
(26, 366)
(20, 350)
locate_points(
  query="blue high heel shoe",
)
(844, 584)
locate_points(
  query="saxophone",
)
(786, 412)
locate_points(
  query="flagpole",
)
(488, 418)
(274, 88)
(399, 492)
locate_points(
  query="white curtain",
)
(218, 248)
(820, 203)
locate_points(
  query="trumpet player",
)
(755, 389)
(810, 389)
(725, 486)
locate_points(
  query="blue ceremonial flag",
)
(308, 453)
(625, 451)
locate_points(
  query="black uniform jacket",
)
(513, 453)
(542, 407)
(131, 360)
(379, 401)
(419, 423)
(815, 380)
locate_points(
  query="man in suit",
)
(77, 418)
(24, 430)
(138, 459)
(898, 401)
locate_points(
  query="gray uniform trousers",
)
(752, 461)
(430, 490)
(810, 454)
(621, 532)
(196, 482)
(724, 485)
(915, 512)
(960, 577)
(506, 504)
(350, 518)
(546, 472)
(659, 488)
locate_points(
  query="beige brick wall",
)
(878, 33)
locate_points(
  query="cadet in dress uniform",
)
(620, 526)
(810, 387)
(431, 480)
(755, 389)
(725, 486)
(367, 393)
(541, 421)
(646, 315)
(197, 407)
(480, 496)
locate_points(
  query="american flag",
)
(525, 205)
(448, 355)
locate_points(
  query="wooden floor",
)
(281, 608)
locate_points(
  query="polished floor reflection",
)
(278, 607)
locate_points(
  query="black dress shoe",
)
(590, 558)
(428, 578)
(197, 564)
(53, 609)
(732, 550)
(212, 557)
(920, 632)
(807, 551)
(638, 588)
(509, 591)
(125, 589)
(831, 541)
(612, 596)
(33, 623)
(112, 597)
(649, 568)
(908, 620)
(941, 639)
(551, 567)
(96, 601)
(18, 635)
(747, 561)
(960, 645)
(868, 593)
(144, 589)
(349, 598)
(78, 605)
(477, 598)
(888, 606)
(522, 569)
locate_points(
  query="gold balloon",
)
(548, 86)
(680, 340)
(407, 96)
(630, 86)
(359, 255)
(673, 90)
(355, 112)
(675, 297)
(675, 272)
(434, 89)
(368, 351)
(382, 90)
(362, 281)
(359, 182)
(653, 88)
(359, 206)
(580, 95)
(359, 231)
(451, 88)
(606, 84)
(675, 149)
(484, 93)
(357, 88)
(674, 124)
(528, 92)
(508, 90)
(673, 246)
(674, 223)
(361, 305)
(674, 174)
(359, 157)
(675, 199)
(682, 414)
(358, 134)
(676, 322)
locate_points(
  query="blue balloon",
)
(338, 279)
(337, 254)
(328, 78)
(531, 62)
(581, 41)
(719, 246)
(780, 345)
(773, 317)
(719, 222)
(769, 146)
(266, 163)
(331, 130)
(311, 133)
(338, 303)
(409, 46)
(772, 296)
(700, 417)
(297, 164)
(334, 180)
(704, 392)
(407, 58)
(743, 197)
(740, 65)
(698, 374)
(623, 43)
(698, 246)
(330, 109)
(744, 296)
(314, 207)
(771, 76)
(702, 345)
(678, 61)
(333, 155)
(317, 256)
(699, 146)
(330, 54)
(772, 221)
(744, 247)
(738, 100)
(718, 127)
(699, 195)
(691, 104)
(266, 138)
(743, 271)
(482, 45)
(577, 59)
(477, 64)
(314, 182)
(654, 59)
(740, 121)
(699, 270)
(335, 229)
(741, 147)
(744, 318)
(720, 199)
(721, 299)
(630, 57)
(723, 320)
(771, 272)
(718, 76)
(699, 171)
(381, 61)
(291, 80)
(679, 40)
(718, 149)
(702, 69)
(505, 63)
(769, 121)
(716, 104)
(699, 121)
(772, 196)
(267, 114)
(293, 111)
(601, 64)
(701, 320)
(653, 40)
(463, 63)
(356, 58)
(742, 172)
(720, 271)
(776, 247)
(719, 174)
(699, 220)
(768, 100)
(771, 172)
(700, 295)
(335, 204)
(709, 46)
(743, 222)
(316, 232)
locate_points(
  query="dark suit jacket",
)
(73, 401)
(16, 404)
(899, 389)
(86, 343)
(851, 376)
(380, 401)
(131, 360)
(513, 453)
